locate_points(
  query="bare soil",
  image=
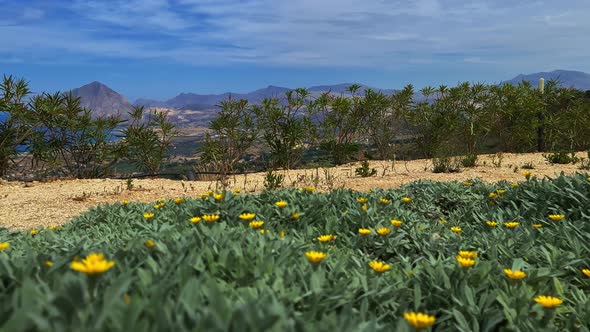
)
(41, 204)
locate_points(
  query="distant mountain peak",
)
(102, 100)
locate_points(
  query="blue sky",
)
(159, 48)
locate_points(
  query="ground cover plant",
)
(455, 256)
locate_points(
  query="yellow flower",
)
(295, 216)
(264, 231)
(33, 232)
(315, 256)
(512, 224)
(527, 173)
(406, 199)
(210, 193)
(421, 228)
(178, 200)
(161, 200)
(195, 220)
(52, 228)
(4, 245)
(384, 201)
(150, 243)
(396, 223)
(468, 254)
(537, 225)
(493, 195)
(514, 185)
(514, 274)
(556, 217)
(237, 192)
(124, 202)
(442, 221)
(465, 262)
(218, 197)
(419, 320)
(93, 264)
(378, 266)
(548, 301)
(282, 234)
(362, 200)
(364, 231)
(364, 207)
(204, 196)
(281, 204)
(256, 224)
(157, 206)
(586, 272)
(309, 189)
(500, 191)
(468, 184)
(491, 223)
(148, 215)
(326, 238)
(247, 216)
(383, 231)
(210, 217)
(48, 264)
(456, 229)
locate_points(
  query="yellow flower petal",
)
(419, 320)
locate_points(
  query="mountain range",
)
(199, 109)
(195, 101)
(567, 78)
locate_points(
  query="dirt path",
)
(33, 205)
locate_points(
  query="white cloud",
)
(371, 33)
(143, 14)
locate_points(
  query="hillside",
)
(101, 99)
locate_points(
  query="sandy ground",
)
(38, 204)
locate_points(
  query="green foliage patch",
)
(225, 275)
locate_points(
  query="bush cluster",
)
(465, 120)
(444, 124)
(53, 133)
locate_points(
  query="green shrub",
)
(284, 128)
(341, 121)
(561, 157)
(147, 139)
(273, 181)
(18, 127)
(446, 165)
(364, 170)
(469, 160)
(233, 132)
